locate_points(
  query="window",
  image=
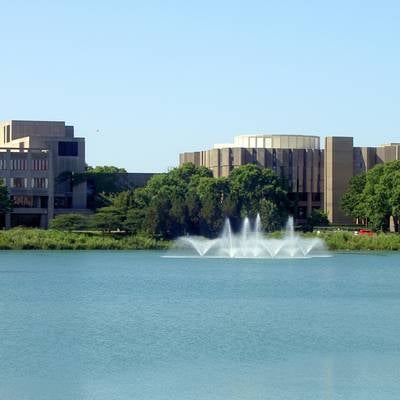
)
(3, 164)
(62, 202)
(6, 133)
(40, 164)
(20, 183)
(22, 201)
(40, 183)
(19, 164)
(316, 197)
(68, 149)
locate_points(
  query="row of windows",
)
(21, 164)
(29, 201)
(22, 183)
(40, 202)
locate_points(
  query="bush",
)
(69, 222)
(39, 239)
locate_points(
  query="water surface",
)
(133, 325)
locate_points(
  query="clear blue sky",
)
(161, 77)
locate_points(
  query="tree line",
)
(188, 200)
(374, 197)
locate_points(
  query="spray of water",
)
(250, 242)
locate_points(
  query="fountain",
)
(250, 242)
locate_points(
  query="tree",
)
(352, 201)
(317, 218)
(69, 222)
(108, 219)
(5, 201)
(375, 196)
(250, 184)
(105, 169)
(188, 200)
(271, 218)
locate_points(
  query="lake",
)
(105, 325)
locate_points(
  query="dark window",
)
(62, 202)
(43, 201)
(28, 220)
(68, 149)
(316, 197)
(302, 196)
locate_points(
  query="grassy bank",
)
(349, 241)
(38, 239)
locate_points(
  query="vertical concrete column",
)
(29, 171)
(43, 221)
(8, 221)
(50, 189)
(309, 204)
(338, 170)
(8, 184)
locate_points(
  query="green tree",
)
(69, 222)
(108, 219)
(375, 196)
(250, 183)
(352, 201)
(5, 201)
(271, 218)
(317, 218)
(189, 200)
(105, 169)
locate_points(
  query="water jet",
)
(250, 242)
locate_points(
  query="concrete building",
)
(316, 178)
(34, 159)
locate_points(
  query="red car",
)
(365, 232)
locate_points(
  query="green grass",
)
(348, 241)
(39, 239)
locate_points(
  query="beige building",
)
(316, 178)
(36, 158)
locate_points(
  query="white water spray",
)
(251, 243)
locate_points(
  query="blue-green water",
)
(133, 325)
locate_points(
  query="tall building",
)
(36, 162)
(316, 178)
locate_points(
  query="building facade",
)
(316, 178)
(37, 159)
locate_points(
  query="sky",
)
(146, 80)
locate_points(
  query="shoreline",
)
(39, 239)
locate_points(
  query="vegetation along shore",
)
(39, 239)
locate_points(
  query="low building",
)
(35, 160)
(316, 178)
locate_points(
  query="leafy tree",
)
(105, 169)
(271, 218)
(134, 220)
(108, 219)
(317, 218)
(5, 201)
(69, 222)
(188, 200)
(378, 198)
(352, 201)
(250, 183)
